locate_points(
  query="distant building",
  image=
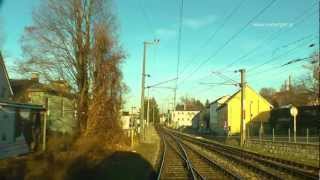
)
(213, 124)
(182, 118)
(55, 96)
(163, 119)
(125, 120)
(229, 113)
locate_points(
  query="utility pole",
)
(148, 108)
(153, 113)
(243, 108)
(45, 116)
(145, 43)
(142, 86)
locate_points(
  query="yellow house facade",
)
(257, 112)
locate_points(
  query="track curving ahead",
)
(180, 161)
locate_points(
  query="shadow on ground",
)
(119, 165)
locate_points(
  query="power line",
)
(278, 67)
(232, 37)
(274, 58)
(291, 43)
(223, 76)
(147, 18)
(280, 70)
(179, 37)
(273, 36)
(280, 56)
(213, 35)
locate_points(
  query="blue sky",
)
(286, 21)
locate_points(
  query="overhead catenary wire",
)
(213, 35)
(280, 70)
(297, 20)
(178, 50)
(230, 39)
(292, 43)
(276, 68)
(256, 67)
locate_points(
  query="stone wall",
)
(294, 151)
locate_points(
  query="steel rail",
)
(297, 169)
(194, 172)
(213, 163)
(182, 155)
(162, 159)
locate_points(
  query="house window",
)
(3, 137)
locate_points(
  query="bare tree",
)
(59, 45)
(310, 81)
(190, 104)
(268, 94)
(107, 84)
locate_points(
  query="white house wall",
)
(182, 118)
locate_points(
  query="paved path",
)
(149, 148)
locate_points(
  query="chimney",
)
(35, 76)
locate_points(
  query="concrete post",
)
(272, 134)
(148, 109)
(289, 135)
(44, 134)
(143, 86)
(307, 135)
(243, 108)
(45, 116)
(131, 134)
(294, 129)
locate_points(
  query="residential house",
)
(182, 118)
(5, 88)
(20, 124)
(195, 121)
(204, 120)
(257, 112)
(20, 128)
(213, 124)
(55, 96)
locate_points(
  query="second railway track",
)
(270, 168)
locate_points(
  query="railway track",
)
(174, 165)
(269, 167)
(180, 161)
